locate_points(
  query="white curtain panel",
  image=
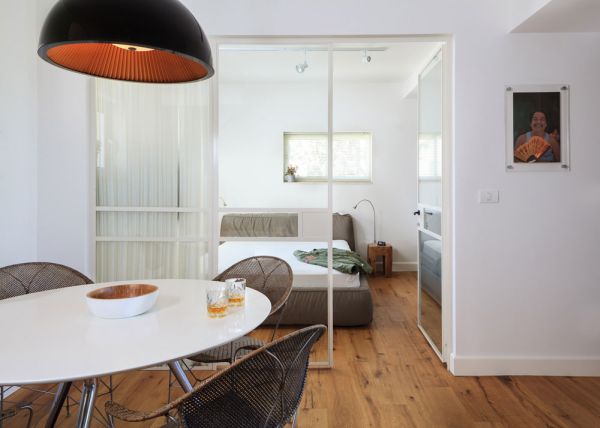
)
(152, 187)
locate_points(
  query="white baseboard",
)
(524, 366)
(404, 266)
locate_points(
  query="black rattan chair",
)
(26, 278)
(271, 276)
(262, 389)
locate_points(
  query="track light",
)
(366, 58)
(300, 68)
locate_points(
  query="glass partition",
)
(152, 180)
(430, 134)
(266, 92)
(430, 202)
(273, 191)
(430, 280)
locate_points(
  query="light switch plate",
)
(489, 196)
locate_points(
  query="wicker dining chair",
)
(271, 276)
(26, 278)
(261, 389)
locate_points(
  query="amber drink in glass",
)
(236, 290)
(216, 300)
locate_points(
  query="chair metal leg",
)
(86, 405)
(11, 413)
(1, 405)
(62, 393)
(294, 418)
(30, 410)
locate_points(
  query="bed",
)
(307, 304)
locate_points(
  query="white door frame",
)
(448, 286)
(446, 205)
(447, 159)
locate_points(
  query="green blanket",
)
(343, 260)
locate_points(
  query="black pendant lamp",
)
(154, 41)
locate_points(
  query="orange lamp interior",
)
(126, 63)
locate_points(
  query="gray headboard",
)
(343, 228)
(280, 225)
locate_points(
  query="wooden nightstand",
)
(384, 251)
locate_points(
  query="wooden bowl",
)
(122, 301)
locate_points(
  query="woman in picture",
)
(538, 126)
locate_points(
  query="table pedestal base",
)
(89, 392)
(86, 405)
(179, 374)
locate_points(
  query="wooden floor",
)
(386, 375)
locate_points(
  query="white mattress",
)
(305, 275)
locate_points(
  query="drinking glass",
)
(236, 290)
(216, 300)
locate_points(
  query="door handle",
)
(427, 212)
(417, 212)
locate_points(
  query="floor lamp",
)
(370, 203)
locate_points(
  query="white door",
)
(429, 211)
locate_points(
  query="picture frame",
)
(537, 127)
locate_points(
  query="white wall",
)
(521, 10)
(379, 108)
(18, 127)
(555, 16)
(253, 117)
(527, 294)
(251, 153)
(64, 188)
(526, 277)
(65, 193)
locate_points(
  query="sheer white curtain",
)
(152, 187)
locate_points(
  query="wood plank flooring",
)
(386, 375)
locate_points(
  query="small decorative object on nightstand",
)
(385, 251)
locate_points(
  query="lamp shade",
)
(154, 41)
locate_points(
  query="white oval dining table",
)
(52, 337)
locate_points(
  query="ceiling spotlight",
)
(300, 68)
(366, 58)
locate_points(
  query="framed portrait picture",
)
(537, 128)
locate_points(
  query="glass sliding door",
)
(431, 301)
(273, 167)
(153, 165)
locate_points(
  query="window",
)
(308, 152)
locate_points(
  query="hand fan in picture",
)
(532, 150)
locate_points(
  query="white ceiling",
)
(564, 16)
(389, 63)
